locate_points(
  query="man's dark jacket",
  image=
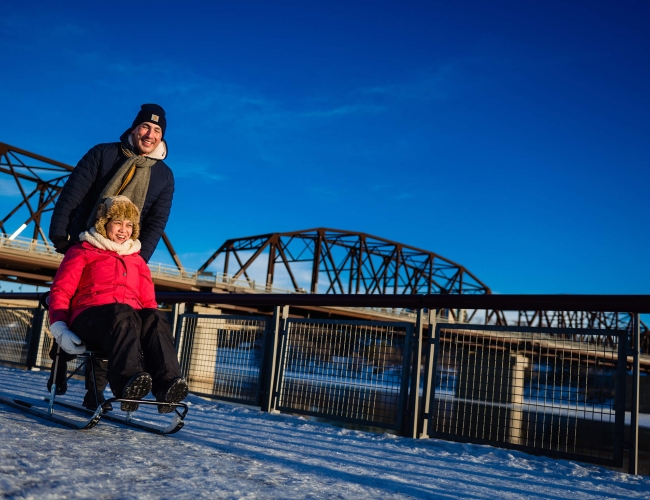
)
(84, 186)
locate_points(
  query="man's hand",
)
(61, 244)
(68, 341)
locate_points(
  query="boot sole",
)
(138, 388)
(177, 392)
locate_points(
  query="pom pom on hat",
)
(152, 113)
(117, 207)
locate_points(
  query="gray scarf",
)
(131, 180)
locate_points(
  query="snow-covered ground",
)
(228, 451)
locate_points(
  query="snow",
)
(236, 452)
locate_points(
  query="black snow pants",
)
(135, 341)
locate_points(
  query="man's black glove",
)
(61, 243)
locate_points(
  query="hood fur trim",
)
(117, 207)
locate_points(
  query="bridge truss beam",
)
(335, 261)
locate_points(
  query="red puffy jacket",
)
(89, 276)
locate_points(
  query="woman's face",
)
(118, 230)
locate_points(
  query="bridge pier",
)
(490, 388)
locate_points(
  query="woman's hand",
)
(68, 341)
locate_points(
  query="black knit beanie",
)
(151, 113)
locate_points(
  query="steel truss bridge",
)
(344, 262)
(319, 260)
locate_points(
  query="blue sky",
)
(510, 137)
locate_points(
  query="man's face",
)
(146, 137)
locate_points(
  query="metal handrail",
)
(609, 303)
(28, 245)
(213, 279)
(606, 303)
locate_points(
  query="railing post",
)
(633, 456)
(177, 310)
(184, 342)
(619, 399)
(34, 337)
(43, 336)
(271, 357)
(414, 394)
(429, 376)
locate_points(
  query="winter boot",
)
(175, 392)
(137, 387)
(90, 401)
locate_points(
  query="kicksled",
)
(87, 419)
(47, 408)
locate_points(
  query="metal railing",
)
(542, 390)
(16, 334)
(28, 245)
(164, 271)
(221, 356)
(557, 392)
(351, 371)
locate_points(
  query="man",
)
(133, 167)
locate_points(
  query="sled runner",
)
(35, 407)
(127, 419)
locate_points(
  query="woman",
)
(104, 294)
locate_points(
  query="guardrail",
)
(158, 270)
(28, 245)
(164, 271)
(556, 392)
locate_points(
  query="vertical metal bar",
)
(432, 429)
(619, 401)
(270, 267)
(402, 405)
(50, 406)
(633, 459)
(353, 255)
(281, 353)
(187, 334)
(34, 337)
(260, 360)
(42, 338)
(396, 279)
(268, 369)
(429, 390)
(225, 264)
(177, 310)
(416, 358)
(316, 267)
(37, 217)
